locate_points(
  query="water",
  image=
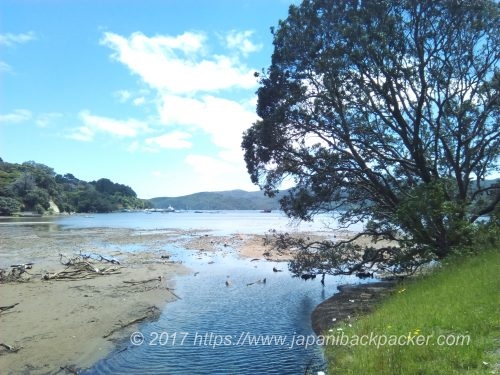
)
(213, 328)
(199, 333)
(219, 222)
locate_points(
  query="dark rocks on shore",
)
(349, 302)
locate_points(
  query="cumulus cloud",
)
(223, 119)
(178, 64)
(214, 173)
(10, 39)
(202, 90)
(123, 95)
(240, 40)
(139, 101)
(46, 119)
(98, 124)
(16, 116)
(173, 140)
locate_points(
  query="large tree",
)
(386, 112)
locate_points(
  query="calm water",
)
(220, 222)
(213, 328)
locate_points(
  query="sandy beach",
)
(63, 325)
(70, 324)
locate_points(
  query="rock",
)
(351, 301)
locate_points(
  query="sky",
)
(153, 94)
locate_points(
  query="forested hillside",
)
(220, 200)
(37, 188)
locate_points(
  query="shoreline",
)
(350, 302)
(64, 325)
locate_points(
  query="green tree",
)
(386, 112)
(9, 206)
(37, 199)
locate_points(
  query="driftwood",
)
(262, 281)
(101, 258)
(84, 257)
(10, 348)
(175, 295)
(145, 283)
(23, 266)
(5, 308)
(79, 268)
(142, 281)
(80, 272)
(151, 313)
(16, 273)
(70, 369)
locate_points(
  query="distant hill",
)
(232, 200)
(220, 200)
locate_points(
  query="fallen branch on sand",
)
(80, 273)
(175, 295)
(5, 308)
(10, 348)
(151, 313)
(16, 273)
(70, 369)
(84, 257)
(109, 260)
(79, 268)
(143, 281)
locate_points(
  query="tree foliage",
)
(32, 186)
(385, 112)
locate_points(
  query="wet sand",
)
(64, 325)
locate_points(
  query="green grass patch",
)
(446, 322)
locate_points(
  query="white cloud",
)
(173, 140)
(240, 40)
(178, 64)
(4, 67)
(215, 174)
(225, 120)
(98, 124)
(17, 116)
(45, 119)
(123, 95)
(82, 133)
(198, 92)
(139, 101)
(10, 39)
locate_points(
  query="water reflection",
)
(44, 224)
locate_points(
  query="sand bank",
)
(62, 323)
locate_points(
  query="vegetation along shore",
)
(443, 322)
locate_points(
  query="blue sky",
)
(154, 94)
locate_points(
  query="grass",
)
(460, 301)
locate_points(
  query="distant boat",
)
(161, 210)
(266, 211)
